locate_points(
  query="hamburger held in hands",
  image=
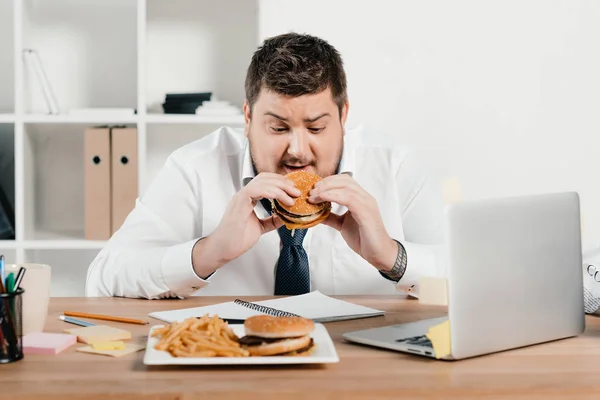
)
(277, 336)
(302, 214)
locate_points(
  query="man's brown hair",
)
(295, 64)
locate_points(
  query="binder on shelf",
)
(124, 174)
(97, 175)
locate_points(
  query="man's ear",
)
(247, 117)
(344, 115)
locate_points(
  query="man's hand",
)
(361, 226)
(240, 228)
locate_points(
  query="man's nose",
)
(298, 146)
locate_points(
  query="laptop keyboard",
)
(417, 341)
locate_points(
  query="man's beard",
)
(336, 171)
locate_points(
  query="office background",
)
(501, 95)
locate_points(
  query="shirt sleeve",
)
(150, 256)
(591, 280)
(422, 210)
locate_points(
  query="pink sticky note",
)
(47, 343)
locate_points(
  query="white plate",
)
(323, 353)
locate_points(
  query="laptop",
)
(514, 278)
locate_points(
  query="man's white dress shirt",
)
(150, 255)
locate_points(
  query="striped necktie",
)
(292, 275)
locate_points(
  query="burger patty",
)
(257, 340)
(285, 212)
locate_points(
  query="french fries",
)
(199, 337)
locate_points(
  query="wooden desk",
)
(568, 369)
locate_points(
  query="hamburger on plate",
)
(277, 336)
(302, 214)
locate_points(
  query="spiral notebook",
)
(314, 305)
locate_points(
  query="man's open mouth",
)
(296, 166)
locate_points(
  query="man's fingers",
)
(335, 182)
(347, 184)
(335, 221)
(284, 184)
(267, 178)
(270, 224)
(258, 189)
(273, 193)
(339, 196)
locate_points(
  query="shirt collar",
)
(247, 168)
(347, 163)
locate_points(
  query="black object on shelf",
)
(7, 218)
(184, 103)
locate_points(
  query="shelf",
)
(79, 119)
(148, 49)
(7, 244)
(7, 118)
(87, 50)
(53, 183)
(119, 119)
(193, 119)
(48, 240)
(191, 47)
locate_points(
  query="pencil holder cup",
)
(11, 326)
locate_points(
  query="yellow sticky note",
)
(439, 335)
(129, 348)
(118, 345)
(98, 334)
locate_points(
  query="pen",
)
(2, 272)
(105, 317)
(75, 321)
(19, 278)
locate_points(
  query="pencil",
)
(104, 317)
(75, 321)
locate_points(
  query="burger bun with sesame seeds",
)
(302, 214)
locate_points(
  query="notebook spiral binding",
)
(264, 309)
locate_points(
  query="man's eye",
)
(316, 130)
(278, 130)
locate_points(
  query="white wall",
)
(505, 94)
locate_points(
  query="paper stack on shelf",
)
(217, 108)
(33, 63)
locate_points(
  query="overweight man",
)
(201, 227)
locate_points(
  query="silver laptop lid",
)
(515, 275)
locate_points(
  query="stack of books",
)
(184, 103)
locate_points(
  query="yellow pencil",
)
(105, 317)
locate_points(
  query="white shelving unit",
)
(104, 54)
